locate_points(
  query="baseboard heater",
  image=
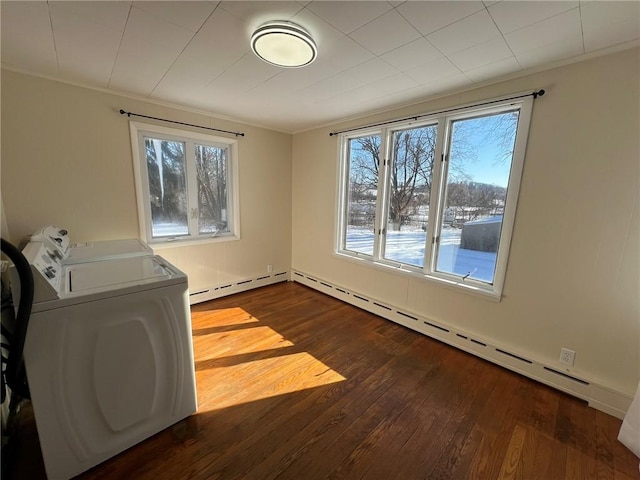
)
(599, 396)
(229, 288)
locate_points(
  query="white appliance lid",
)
(102, 276)
(107, 249)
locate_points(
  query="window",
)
(436, 197)
(186, 184)
(363, 158)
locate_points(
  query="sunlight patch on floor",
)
(220, 317)
(251, 362)
(235, 342)
(260, 379)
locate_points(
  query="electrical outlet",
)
(567, 357)
(269, 268)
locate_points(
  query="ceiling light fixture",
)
(284, 44)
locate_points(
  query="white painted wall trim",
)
(599, 396)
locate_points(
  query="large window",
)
(436, 197)
(187, 184)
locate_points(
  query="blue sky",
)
(486, 170)
(489, 165)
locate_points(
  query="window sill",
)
(185, 242)
(458, 286)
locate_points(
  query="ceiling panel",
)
(429, 17)
(609, 24)
(217, 45)
(372, 70)
(186, 74)
(329, 87)
(432, 71)
(154, 34)
(485, 53)
(553, 32)
(290, 80)
(104, 13)
(394, 84)
(486, 72)
(220, 41)
(385, 33)
(415, 53)
(372, 55)
(149, 47)
(185, 14)
(466, 33)
(510, 16)
(34, 51)
(458, 80)
(255, 13)
(245, 74)
(87, 47)
(350, 15)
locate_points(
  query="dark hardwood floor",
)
(293, 384)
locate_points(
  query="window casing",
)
(186, 185)
(435, 198)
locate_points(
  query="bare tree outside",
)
(467, 198)
(364, 155)
(474, 208)
(475, 179)
(412, 159)
(211, 173)
(167, 182)
(411, 173)
(168, 190)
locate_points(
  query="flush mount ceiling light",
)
(284, 44)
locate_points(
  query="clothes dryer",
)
(108, 355)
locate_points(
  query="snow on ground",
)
(407, 247)
(169, 229)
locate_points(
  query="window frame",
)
(343, 198)
(444, 121)
(190, 138)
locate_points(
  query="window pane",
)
(167, 187)
(480, 156)
(409, 194)
(211, 173)
(363, 155)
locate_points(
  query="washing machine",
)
(59, 240)
(108, 355)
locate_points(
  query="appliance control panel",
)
(46, 267)
(57, 239)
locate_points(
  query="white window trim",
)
(428, 272)
(138, 129)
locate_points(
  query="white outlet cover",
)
(567, 357)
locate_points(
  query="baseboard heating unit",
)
(237, 286)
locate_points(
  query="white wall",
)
(66, 161)
(572, 277)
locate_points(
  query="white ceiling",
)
(372, 54)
